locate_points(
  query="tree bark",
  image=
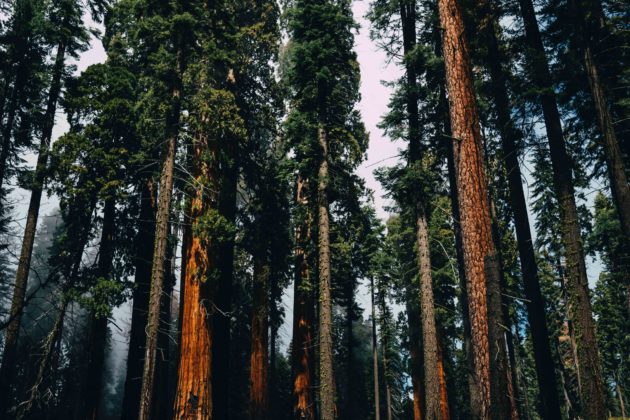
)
(550, 405)
(303, 316)
(260, 339)
(377, 396)
(7, 370)
(427, 310)
(415, 354)
(444, 407)
(326, 373)
(592, 395)
(193, 398)
(160, 245)
(472, 194)
(221, 372)
(140, 309)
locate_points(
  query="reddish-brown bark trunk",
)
(258, 373)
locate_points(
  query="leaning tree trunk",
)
(475, 220)
(7, 370)
(259, 366)
(592, 393)
(193, 398)
(160, 245)
(550, 405)
(303, 316)
(326, 373)
(140, 308)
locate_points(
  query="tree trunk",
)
(550, 405)
(385, 346)
(500, 386)
(221, 371)
(377, 396)
(7, 370)
(326, 373)
(415, 353)
(97, 341)
(260, 339)
(140, 309)
(160, 245)
(444, 407)
(7, 131)
(472, 194)
(303, 316)
(193, 397)
(592, 395)
(427, 310)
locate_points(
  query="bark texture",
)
(193, 398)
(326, 373)
(140, 308)
(550, 405)
(259, 367)
(580, 312)
(160, 249)
(303, 317)
(472, 190)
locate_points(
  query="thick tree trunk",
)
(160, 245)
(140, 309)
(550, 405)
(472, 194)
(7, 370)
(427, 310)
(326, 373)
(592, 395)
(258, 373)
(377, 389)
(303, 317)
(193, 398)
(221, 372)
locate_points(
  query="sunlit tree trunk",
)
(193, 398)
(475, 221)
(259, 367)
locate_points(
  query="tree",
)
(577, 283)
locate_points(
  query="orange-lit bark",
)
(303, 316)
(193, 398)
(415, 355)
(444, 411)
(258, 359)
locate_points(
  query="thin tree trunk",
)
(384, 347)
(592, 395)
(259, 347)
(140, 309)
(160, 245)
(377, 396)
(472, 194)
(97, 341)
(550, 405)
(7, 131)
(7, 370)
(415, 354)
(427, 310)
(303, 317)
(326, 373)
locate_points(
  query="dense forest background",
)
(216, 210)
